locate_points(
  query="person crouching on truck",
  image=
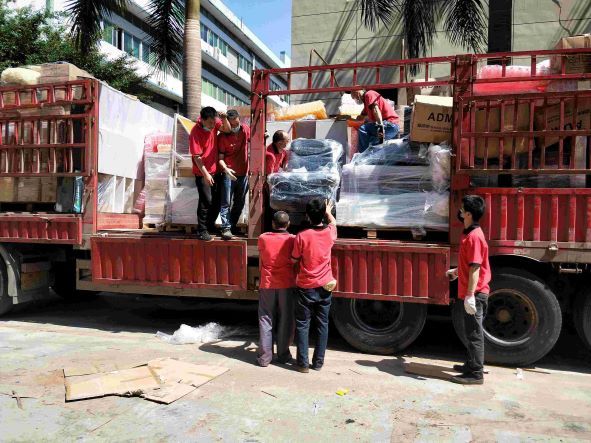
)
(204, 151)
(276, 291)
(382, 122)
(315, 282)
(233, 161)
(473, 274)
(275, 159)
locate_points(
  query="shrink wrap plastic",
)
(313, 170)
(397, 187)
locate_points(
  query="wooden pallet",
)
(158, 227)
(174, 227)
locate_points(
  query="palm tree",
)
(464, 21)
(175, 38)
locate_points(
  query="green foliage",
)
(33, 37)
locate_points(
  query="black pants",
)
(208, 208)
(475, 336)
(312, 303)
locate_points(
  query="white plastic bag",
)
(200, 334)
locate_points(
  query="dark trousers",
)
(475, 336)
(208, 208)
(315, 303)
(276, 320)
(233, 196)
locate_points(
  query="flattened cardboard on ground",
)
(126, 382)
(176, 371)
(97, 368)
(22, 391)
(161, 380)
(168, 393)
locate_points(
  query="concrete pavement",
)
(249, 403)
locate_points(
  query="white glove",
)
(231, 174)
(470, 304)
(452, 274)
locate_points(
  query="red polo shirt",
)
(277, 269)
(473, 250)
(234, 146)
(372, 98)
(203, 143)
(274, 160)
(313, 248)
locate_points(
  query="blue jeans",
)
(312, 302)
(368, 134)
(232, 200)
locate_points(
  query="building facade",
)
(335, 30)
(230, 52)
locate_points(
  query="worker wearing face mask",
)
(233, 161)
(204, 151)
(381, 121)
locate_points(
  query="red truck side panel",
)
(47, 228)
(153, 260)
(391, 271)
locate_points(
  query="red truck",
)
(539, 237)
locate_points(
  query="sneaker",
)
(205, 236)
(302, 369)
(316, 367)
(286, 361)
(227, 234)
(468, 379)
(461, 368)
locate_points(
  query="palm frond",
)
(419, 19)
(86, 16)
(166, 20)
(374, 12)
(465, 23)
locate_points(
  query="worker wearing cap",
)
(233, 162)
(381, 122)
(204, 151)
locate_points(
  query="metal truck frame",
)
(540, 238)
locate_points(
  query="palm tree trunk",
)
(192, 60)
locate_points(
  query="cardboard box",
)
(61, 72)
(521, 143)
(576, 63)
(432, 119)
(28, 189)
(7, 189)
(184, 166)
(48, 189)
(583, 119)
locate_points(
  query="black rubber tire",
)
(392, 338)
(545, 327)
(64, 283)
(5, 299)
(582, 317)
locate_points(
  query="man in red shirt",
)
(315, 282)
(276, 297)
(382, 122)
(233, 161)
(473, 274)
(276, 154)
(275, 159)
(203, 148)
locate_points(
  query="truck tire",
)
(582, 317)
(64, 283)
(378, 327)
(523, 320)
(5, 299)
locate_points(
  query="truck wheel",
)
(5, 299)
(64, 283)
(582, 317)
(523, 320)
(378, 327)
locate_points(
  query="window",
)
(244, 64)
(220, 94)
(208, 36)
(131, 44)
(110, 33)
(147, 55)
